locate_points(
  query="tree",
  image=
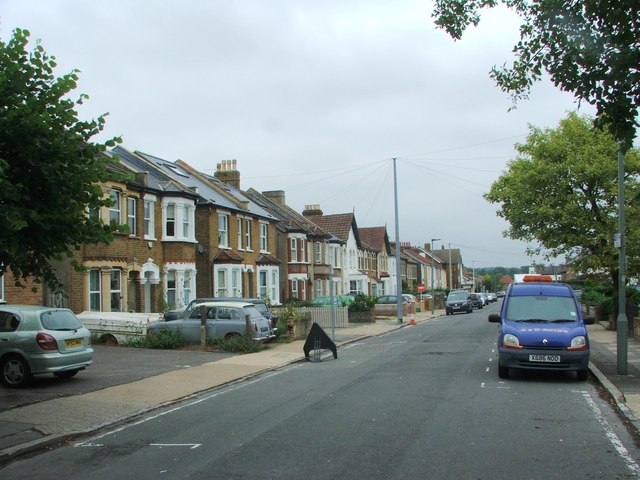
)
(589, 48)
(561, 192)
(49, 170)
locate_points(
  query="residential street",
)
(419, 402)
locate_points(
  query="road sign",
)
(421, 288)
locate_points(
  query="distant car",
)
(336, 300)
(259, 303)
(224, 320)
(458, 301)
(501, 294)
(37, 340)
(410, 298)
(485, 299)
(391, 300)
(476, 301)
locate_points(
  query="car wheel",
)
(231, 335)
(503, 372)
(15, 372)
(480, 307)
(582, 375)
(66, 373)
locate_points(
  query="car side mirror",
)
(589, 320)
(494, 318)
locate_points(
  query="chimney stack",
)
(276, 196)
(227, 172)
(312, 210)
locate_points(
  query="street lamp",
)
(433, 266)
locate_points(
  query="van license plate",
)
(545, 358)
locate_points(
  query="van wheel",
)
(15, 372)
(582, 375)
(229, 336)
(503, 372)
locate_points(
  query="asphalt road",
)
(419, 402)
(112, 365)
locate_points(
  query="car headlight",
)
(578, 343)
(510, 341)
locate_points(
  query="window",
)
(221, 287)
(186, 222)
(186, 291)
(95, 291)
(294, 289)
(247, 233)
(171, 288)
(318, 249)
(114, 210)
(131, 215)
(294, 250)
(262, 283)
(240, 234)
(149, 219)
(236, 291)
(303, 250)
(116, 290)
(274, 285)
(264, 246)
(170, 223)
(223, 230)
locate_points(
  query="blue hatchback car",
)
(542, 328)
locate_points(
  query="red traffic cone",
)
(413, 320)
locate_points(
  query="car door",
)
(9, 323)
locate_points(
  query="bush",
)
(362, 303)
(239, 344)
(161, 340)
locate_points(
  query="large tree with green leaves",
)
(561, 193)
(49, 169)
(590, 48)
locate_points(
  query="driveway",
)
(112, 365)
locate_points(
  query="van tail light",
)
(46, 341)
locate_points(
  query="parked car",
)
(458, 301)
(485, 299)
(335, 300)
(492, 297)
(542, 328)
(259, 303)
(224, 320)
(390, 299)
(35, 340)
(476, 300)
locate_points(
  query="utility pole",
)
(398, 269)
(622, 323)
(433, 267)
(450, 281)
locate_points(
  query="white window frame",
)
(115, 288)
(115, 210)
(240, 222)
(293, 245)
(95, 305)
(2, 295)
(171, 287)
(223, 230)
(264, 237)
(132, 216)
(318, 250)
(183, 219)
(221, 283)
(149, 218)
(247, 233)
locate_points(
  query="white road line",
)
(613, 438)
(192, 446)
(230, 388)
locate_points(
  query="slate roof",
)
(376, 238)
(293, 221)
(156, 179)
(339, 224)
(209, 189)
(443, 255)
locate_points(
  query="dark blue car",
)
(542, 328)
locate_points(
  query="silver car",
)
(224, 320)
(37, 340)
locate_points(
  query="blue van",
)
(542, 328)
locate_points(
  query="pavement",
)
(30, 428)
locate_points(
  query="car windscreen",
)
(541, 308)
(60, 320)
(457, 296)
(253, 312)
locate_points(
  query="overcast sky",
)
(311, 97)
